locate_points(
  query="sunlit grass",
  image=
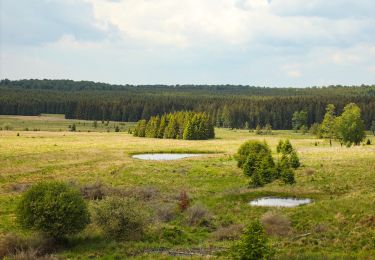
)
(340, 180)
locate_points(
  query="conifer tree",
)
(163, 125)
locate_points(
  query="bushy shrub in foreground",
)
(54, 209)
(253, 245)
(119, 218)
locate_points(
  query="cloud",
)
(26, 22)
(260, 42)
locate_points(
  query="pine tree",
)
(163, 125)
(188, 131)
(294, 160)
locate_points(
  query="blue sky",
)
(255, 42)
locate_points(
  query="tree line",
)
(227, 106)
(179, 125)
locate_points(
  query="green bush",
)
(250, 147)
(287, 175)
(253, 245)
(284, 147)
(259, 164)
(53, 208)
(294, 160)
(119, 218)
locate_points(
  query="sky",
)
(281, 43)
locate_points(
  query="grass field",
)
(339, 223)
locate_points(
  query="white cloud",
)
(187, 23)
(261, 42)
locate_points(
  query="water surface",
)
(279, 202)
(164, 156)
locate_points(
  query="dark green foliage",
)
(256, 179)
(179, 125)
(255, 158)
(258, 165)
(294, 160)
(119, 218)
(372, 128)
(368, 142)
(289, 161)
(228, 106)
(254, 244)
(73, 128)
(299, 120)
(53, 208)
(287, 175)
(117, 129)
(289, 154)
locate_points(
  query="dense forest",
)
(179, 125)
(233, 106)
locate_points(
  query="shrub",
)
(276, 223)
(260, 167)
(119, 218)
(287, 175)
(198, 215)
(253, 244)
(35, 247)
(231, 232)
(93, 191)
(166, 213)
(145, 193)
(368, 142)
(294, 160)
(250, 147)
(54, 209)
(284, 147)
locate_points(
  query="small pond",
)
(279, 202)
(164, 156)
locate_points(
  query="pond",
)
(279, 202)
(164, 156)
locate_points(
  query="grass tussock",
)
(166, 212)
(198, 215)
(13, 246)
(276, 223)
(231, 232)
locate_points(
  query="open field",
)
(57, 122)
(341, 181)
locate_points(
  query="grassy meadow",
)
(340, 223)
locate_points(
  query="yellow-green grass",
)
(340, 180)
(57, 122)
